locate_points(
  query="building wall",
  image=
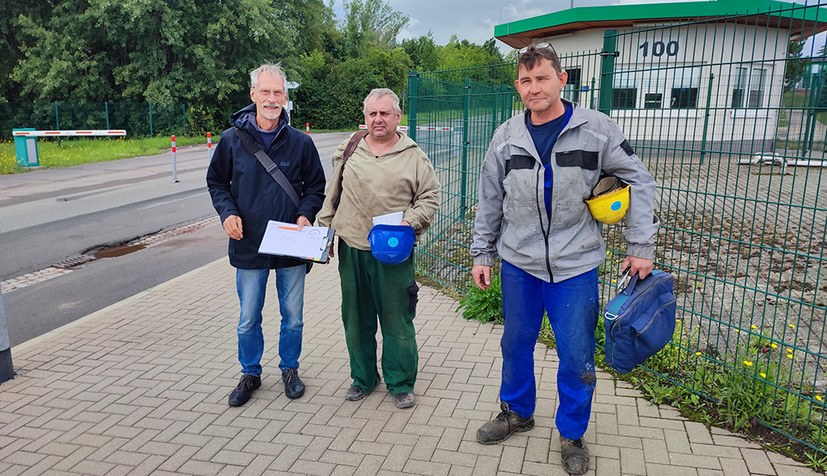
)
(671, 66)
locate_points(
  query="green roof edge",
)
(650, 11)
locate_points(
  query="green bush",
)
(484, 306)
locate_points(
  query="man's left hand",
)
(302, 221)
(640, 266)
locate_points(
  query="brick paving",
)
(141, 387)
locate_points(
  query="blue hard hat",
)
(391, 244)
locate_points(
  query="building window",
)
(624, 91)
(685, 86)
(571, 90)
(653, 101)
(749, 87)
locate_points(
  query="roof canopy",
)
(805, 20)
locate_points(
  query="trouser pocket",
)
(413, 297)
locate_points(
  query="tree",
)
(423, 52)
(795, 67)
(370, 22)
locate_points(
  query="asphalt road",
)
(79, 239)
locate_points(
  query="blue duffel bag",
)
(640, 320)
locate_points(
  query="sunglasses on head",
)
(539, 46)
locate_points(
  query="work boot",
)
(575, 455)
(293, 385)
(403, 400)
(500, 428)
(355, 393)
(244, 390)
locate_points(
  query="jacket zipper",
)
(546, 230)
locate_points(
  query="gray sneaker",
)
(403, 400)
(502, 427)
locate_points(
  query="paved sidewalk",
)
(141, 388)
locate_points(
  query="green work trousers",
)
(371, 289)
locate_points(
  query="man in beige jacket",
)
(387, 173)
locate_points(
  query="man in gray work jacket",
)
(540, 168)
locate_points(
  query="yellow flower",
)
(748, 363)
(792, 326)
(818, 397)
(774, 345)
(763, 375)
(789, 356)
(697, 354)
(753, 327)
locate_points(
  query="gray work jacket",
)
(511, 219)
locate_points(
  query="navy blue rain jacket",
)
(240, 185)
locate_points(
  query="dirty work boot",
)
(575, 455)
(244, 390)
(500, 428)
(403, 400)
(293, 385)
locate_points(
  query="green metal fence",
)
(138, 119)
(737, 146)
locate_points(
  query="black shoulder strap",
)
(268, 164)
(349, 149)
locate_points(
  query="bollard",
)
(307, 128)
(174, 162)
(209, 140)
(6, 365)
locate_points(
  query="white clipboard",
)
(284, 239)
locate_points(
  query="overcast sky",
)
(474, 20)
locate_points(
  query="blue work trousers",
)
(572, 307)
(251, 285)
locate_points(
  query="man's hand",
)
(640, 266)
(232, 225)
(482, 276)
(302, 221)
(405, 223)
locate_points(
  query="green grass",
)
(70, 151)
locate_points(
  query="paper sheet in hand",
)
(284, 239)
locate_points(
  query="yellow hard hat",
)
(610, 200)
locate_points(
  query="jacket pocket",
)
(516, 162)
(585, 159)
(413, 297)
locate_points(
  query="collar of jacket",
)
(245, 119)
(520, 136)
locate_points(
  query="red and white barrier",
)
(82, 133)
(209, 140)
(307, 127)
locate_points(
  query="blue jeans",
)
(572, 307)
(251, 285)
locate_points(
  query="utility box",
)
(26, 149)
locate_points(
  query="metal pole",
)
(413, 91)
(466, 143)
(106, 106)
(174, 162)
(706, 116)
(151, 129)
(6, 364)
(607, 67)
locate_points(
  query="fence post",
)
(57, 117)
(591, 93)
(607, 67)
(413, 91)
(174, 161)
(809, 128)
(466, 143)
(706, 116)
(106, 107)
(151, 130)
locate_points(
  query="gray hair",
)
(378, 93)
(274, 69)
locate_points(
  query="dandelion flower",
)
(792, 326)
(789, 356)
(748, 363)
(697, 354)
(818, 397)
(753, 327)
(774, 345)
(763, 375)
